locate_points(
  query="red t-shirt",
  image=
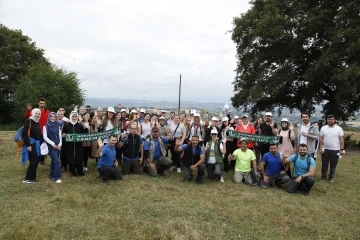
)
(249, 130)
(27, 114)
(44, 117)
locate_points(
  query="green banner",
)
(253, 137)
(89, 137)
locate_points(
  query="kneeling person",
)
(303, 176)
(194, 158)
(274, 168)
(154, 152)
(244, 157)
(213, 151)
(107, 164)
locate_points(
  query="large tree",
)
(17, 54)
(58, 86)
(297, 54)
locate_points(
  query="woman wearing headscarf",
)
(52, 136)
(31, 135)
(86, 145)
(74, 150)
(287, 139)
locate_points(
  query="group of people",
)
(199, 145)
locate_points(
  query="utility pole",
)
(179, 95)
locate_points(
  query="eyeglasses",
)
(155, 131)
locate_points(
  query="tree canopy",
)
(297, 54)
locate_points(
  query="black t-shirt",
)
(266, 129)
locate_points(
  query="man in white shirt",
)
(331, 146)
(307, 133)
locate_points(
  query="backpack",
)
(18, 138)
(308, 159)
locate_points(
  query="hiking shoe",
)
(221, 179)
(305, 193)
(323, 178)
(172, 168)
(58, 181)
(29, 181)
(331, 180)
(178, 170)
(86, 169)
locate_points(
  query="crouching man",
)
(194, 158)
(244, 158)
(154, 152)
(107, 164)
(274, 168)
(303, 176)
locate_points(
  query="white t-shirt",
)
(109, 126)
(331, 136)
(305, 129)
(179, 131)
(145, 129)
(212, 159)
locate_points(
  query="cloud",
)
(146, 44)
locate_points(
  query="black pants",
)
(107, 172)
(329, 156)
(229, 149)
(305, 185)
(64, 163)
(76, 169)
(34, 162)
(132, 166)
(214, 171)
(87, 152)
(175, 156)
(264, 148)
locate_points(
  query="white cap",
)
(236, 117)
(284, 120)
(244, 116)
(123, 110)
(111, 109)
(225, 119)
(244, 139)
(268, 114)
(44, 149)
(142, 110)
(196, 114)
(163, 111)
(193, 111)
(214, 119)
(214, 131)
(161, 118)
(133, 111)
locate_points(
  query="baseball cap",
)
(163, 111)
(244, 139)
(155, 129)
(214, 131)
(268, 114)
(133, 111)
(142, 110)
(111, 109)
(236, 117)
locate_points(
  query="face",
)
(123, 114)
(62, 110)
(142, 114)
(213, 136)
(74, 118)
(88, 109)
(316, 125)
(99, 113)
(163, 114)
(302, 151)
(260, 121)
(196, 119)
(243, 145)
(182, 117)
(28, 106)
(215, 122)
(60, 115)
(82, 111)
(176, 119)
(226, 123)
(87, 117)
(331, 121)
(118, 116)
(237, 120)
(273, 149)
(245, 120)
(112, 141)
(172, 115)
(194, 141)
(52, 118)
(162, 122)
(284, 124)
(268, 118)
(155, 133)
(42, 104)
(110, 115)
(305, 118)
(147, 117)
(133, 129)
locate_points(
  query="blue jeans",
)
(55, 167)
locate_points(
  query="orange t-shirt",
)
(249, 130)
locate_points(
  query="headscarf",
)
(35, 110)
(70, 118)
(57, 122)
(285, 128)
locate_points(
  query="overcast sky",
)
(145, 44)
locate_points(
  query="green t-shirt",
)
(243, 160)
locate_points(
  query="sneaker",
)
(222, 179)
(86, 169)
(58, 181)
(172, 168)
(29, 181)
(178, 170)
(331, 180)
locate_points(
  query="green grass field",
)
(141, 207)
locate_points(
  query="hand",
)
(138, 109)
(256, 172)
(291, 127)
(304, 134)
(322, 151)
(116, 163)
(152, 166)
(342, 152)
(119, 145)
(298, 180)
(76, 107)
(100, 143)
(54, 146)
(282, 172)
(286, 153)
(127, 111)
(95, 113)
(141, 160)
(233, 156)
(29, 149)
(266, 179)
(63, 135)
(169, 136)
(193, 167)
(59, 148)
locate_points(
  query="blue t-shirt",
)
(301, 164)
(108, 156)
(273, 163)
(185, 146)
(157, 151)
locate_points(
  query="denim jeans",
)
(213, 170)
(306, 184)
(55, 167)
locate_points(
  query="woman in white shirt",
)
(109, 121)
(144, 128)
